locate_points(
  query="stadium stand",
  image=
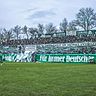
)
(75, 44)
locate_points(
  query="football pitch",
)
(53, 79)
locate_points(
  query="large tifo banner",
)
(66, 58)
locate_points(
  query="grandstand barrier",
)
(66, 58)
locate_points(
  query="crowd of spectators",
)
(49, 49)
(55, 49)
(8, 50)
(51, 40)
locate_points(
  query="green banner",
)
(26, 57)
(66, 58)
(8, 57)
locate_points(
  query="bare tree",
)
(86, 18)
(51, 29)
(33, 32)
(63, 26)
(25, 31)
(1, 36)
(8, 34)
(40, 30)
(17, 30)
(72, 26)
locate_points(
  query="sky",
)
(32, 12)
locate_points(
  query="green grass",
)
(22, 79)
